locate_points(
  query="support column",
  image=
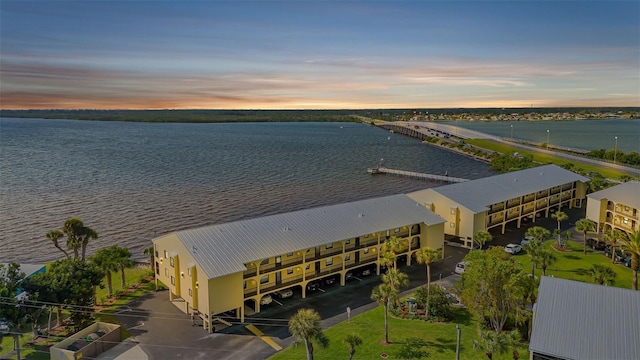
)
(242, 313)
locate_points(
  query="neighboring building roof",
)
(626, 193)
(478, 195)
(28, 269)
(224, 249)
(576, 320)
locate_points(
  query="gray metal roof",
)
(626, 193)
(224, 249)
(478, 195)
(576, 320)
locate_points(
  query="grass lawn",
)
(132, 276)
(575, 265)
(543, 158)
(440, 337)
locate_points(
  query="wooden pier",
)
(415, 175)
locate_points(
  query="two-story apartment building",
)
(617, 207)
(495, 201)
(225, 267)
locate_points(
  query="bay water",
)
(132, 182)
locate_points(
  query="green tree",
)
(54, 236)
(151, 254)
(602, 274)
(437, 301)
(584, 226)
(10, 311)
(493, 342)
(559, 216)
(352, 341)
(105, 260)
(426, 256)
(632, 245)
(482, 237)
(492, 286)
(546, 258)
(70, 284)
(383, 294)
(612, 237)
(538, 233)
(413, 348)
(123, 261)
(305, 326)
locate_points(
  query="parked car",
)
(618, 257)
(526, 240)
(330, 280)
(513, 249)
(460, 267)
(284, 293)
(266, 300)
(627, 262)
(4, 327)
(366, 272)
(595, 244)
(313, 286)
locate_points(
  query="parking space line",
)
(266, 339)
(321, 290)
(277, 302)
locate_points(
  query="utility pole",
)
(458, 342)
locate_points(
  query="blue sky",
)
(318, 54)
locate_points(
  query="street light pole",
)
(547, 139)
(511, 132)
(615, 149)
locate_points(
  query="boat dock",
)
(415, 175)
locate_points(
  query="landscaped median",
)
(575, 265)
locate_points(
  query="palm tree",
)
(538, 232)
(392, 245)
(78, 236)
(123, 260)
(568, 235)
(546, 259)
(352, 340)
(54, 236)
(560, 216)
(397, 280)
(104, 259)
(602, 274)
(482, 237)
(388, 260)
(151, 254)
(492, 342)
(612, 237)
(632, 245)
(584, 226)
(382, 294)
(426, 256)
(305, 326)
(535, 246)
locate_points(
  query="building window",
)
(328, 262)
(264, 262)
(166, 272)
(290, 271)
(348, 242)
(190, 293)
(328, 246)
(366, 251)
(396, 230)
(452, 211)
(244, 284)
(166, 255)
(366, 236)
(308, 267)
(347, 257)
(452, 225)
(265, 279)
(173, 280)
(290, 254)
(189, 271)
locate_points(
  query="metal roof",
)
(224, 249)
(576, 320)
(626, 193)
(478, 195)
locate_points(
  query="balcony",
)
(361, 262)
(250, 273)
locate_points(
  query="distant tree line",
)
(632, 158)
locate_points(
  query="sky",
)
(318, 54)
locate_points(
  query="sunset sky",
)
(318, 54)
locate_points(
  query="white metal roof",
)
(478, 195)
(626, 193)
(576, 320)
(224, 249)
